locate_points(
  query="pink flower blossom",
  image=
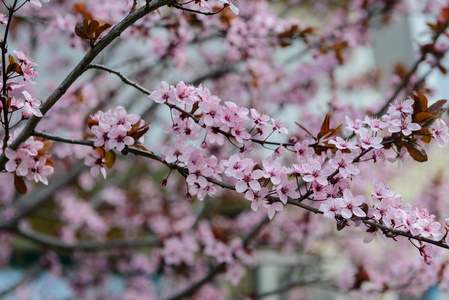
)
(404, 125)
(273, 208)
(440, 132)
(19, 161)
(97, 163)
(118, 139)
(395, 109)
(36, 4)
(40, 171)
(343, 163)
(162, 94)
(31, 105)
(330, 208)
(287, 189)
(351, 205)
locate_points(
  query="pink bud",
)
(164, 182)
(189, 197)
(26, 115)
(204, 145)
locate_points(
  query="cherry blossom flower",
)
(120, 117)
(101, 131)
(395, 109)
(367, 141)
(351, 205)
(198, 172)
(343, 144)
(36, 4)
(230, 4)
(273, 208)
(274, 171)
(404, 125)
(3, 19)
(178, 152)
(330, 208)
(375, 124)
(277, 125)
(97, 163)
(343, 163)
(40, 171)
(287, 189)
(353, 126)
(118, 139)
(303, 151)
(162, 94)
(315, 172)
(248, 179)
(31, 105)
(19, 161)
(256, 197)
(440, 132)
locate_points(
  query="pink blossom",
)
(198, 171)
(404, 125)
(375, 124)
(330, 208)
(315, 172)
(273, 208)
(440, 132)
(230, 4)
(36, 4)
(395, 109)
(351, 205)
(101, 131)
(248, 179)
(343, 163)
(31, 105)
(97, 163)
(19, 161)
(118, 139)
(256, 197)
(162, 94)
(287, 189)
(120, 117)
(367, 141)
(40, 171)
(353, 126)
(278, 126)
(343, 144)
(178, 152)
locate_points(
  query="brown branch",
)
(296, 202)
(57, 244)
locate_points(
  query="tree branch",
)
(57, 244)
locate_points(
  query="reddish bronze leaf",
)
(422, 117)
(416, 151)
(20, 185)
(436, 107)
(110, 157)
(308, 132)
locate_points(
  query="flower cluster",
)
(112, 129)
(318, 173)
(29, 160)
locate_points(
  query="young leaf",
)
(20, 185)
(110, 157)
(416, 151)
(308, 132)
